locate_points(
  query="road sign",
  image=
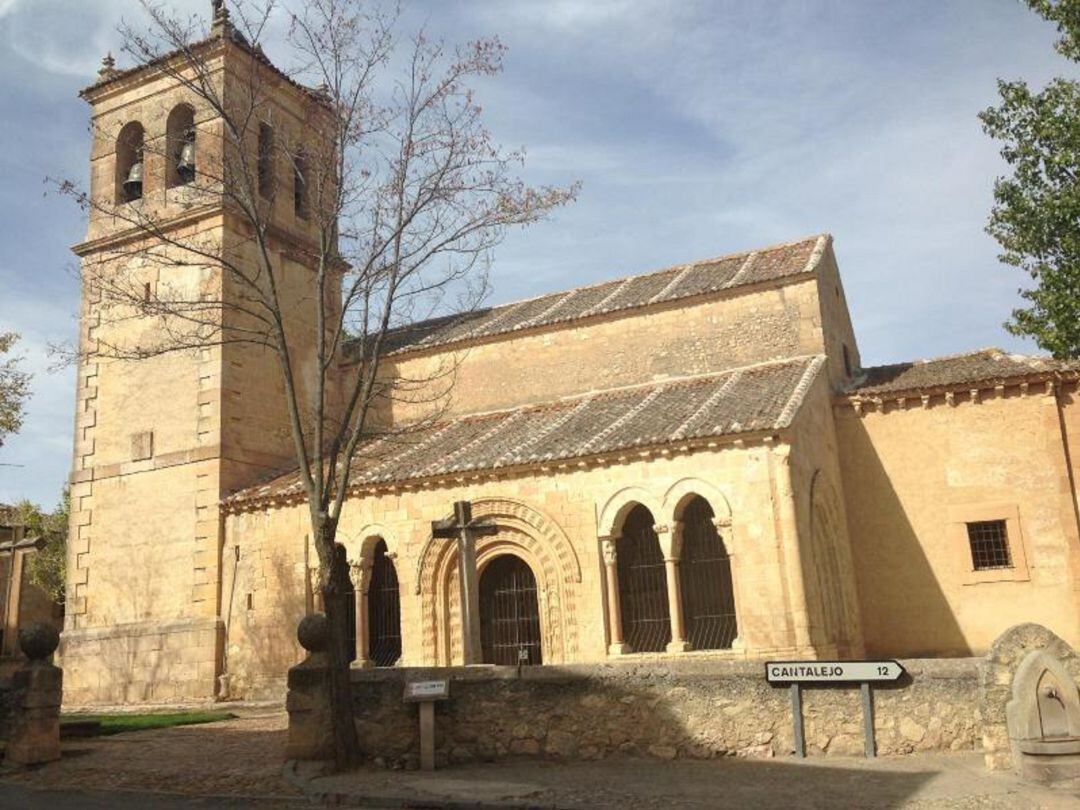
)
(417, 691)
(832, 671)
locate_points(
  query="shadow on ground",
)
(928, 781)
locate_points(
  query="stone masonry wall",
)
(685, 709)
(914, 473)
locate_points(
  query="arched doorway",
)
(509, 613)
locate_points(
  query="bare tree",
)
(403, 194)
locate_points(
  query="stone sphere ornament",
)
(39, 640)
(313, 632)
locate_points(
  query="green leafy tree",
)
(14, 387)
(1036, 216)
(48, 568)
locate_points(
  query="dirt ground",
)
(242, 758)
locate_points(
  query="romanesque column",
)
(361, 585)
(672, 554)
(617, 645)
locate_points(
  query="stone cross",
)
(465, 530)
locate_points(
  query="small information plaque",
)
(422, 691)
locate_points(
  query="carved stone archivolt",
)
(526, 533)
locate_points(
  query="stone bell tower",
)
(159, 440)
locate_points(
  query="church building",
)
(692, 461)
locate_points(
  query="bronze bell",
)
(133, 184)
(185, 164)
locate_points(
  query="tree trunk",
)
(337, 589)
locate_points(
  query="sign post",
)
(797, 719)
(426, 693)
(864, 673)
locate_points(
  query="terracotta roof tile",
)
(669, 284)
(757, 398)
(982, 366)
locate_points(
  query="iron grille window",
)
(989, 543)
(509, 613)
(705, 575)
(384, 610)
(643, 584)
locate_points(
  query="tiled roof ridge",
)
(820, 238)
(539, 427)
(993, 351)
(621, 420)
(703, 408)
(968, 368)
(503, 312)
(511, 456)
(799, 394)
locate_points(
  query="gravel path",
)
(242, 756)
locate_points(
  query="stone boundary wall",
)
(686, 709)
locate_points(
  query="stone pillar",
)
(311, 733)
(34, 735)
(361, 587)
(617, 645)
(13, 593)
(788, 540)
(671, 544)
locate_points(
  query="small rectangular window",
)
(266, 160)
(989, 542)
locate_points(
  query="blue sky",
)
(696, 127)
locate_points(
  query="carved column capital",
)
(361, 574)
(671, 541)
(609, 550)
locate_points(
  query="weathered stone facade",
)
(838, 498)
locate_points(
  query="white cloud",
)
(697, 128)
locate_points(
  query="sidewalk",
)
(922, 781)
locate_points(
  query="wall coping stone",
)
(933, 668)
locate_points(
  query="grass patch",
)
(119, 723)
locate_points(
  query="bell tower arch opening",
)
(129, 173)
(180, 146)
